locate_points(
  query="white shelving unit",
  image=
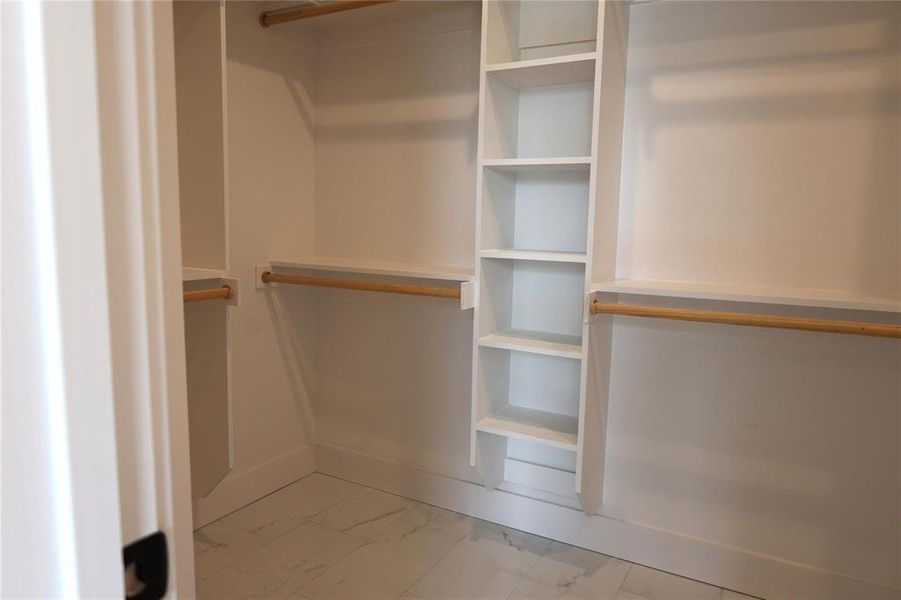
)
(541, 135)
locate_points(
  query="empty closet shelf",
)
(786, 296)
(549, 344)
(570, 163)
(362, 285)
(556, 70)
(535, 255)
(550, 429)
(387, 269)
(195, 274)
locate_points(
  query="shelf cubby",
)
(539, 297)
(529, 397)
(539, 29)
(543, 211)
(537, 122)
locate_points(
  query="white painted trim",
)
(732, 568)
(240, 488)
(61, 533)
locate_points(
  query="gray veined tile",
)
(383, 567)
(365, 514)
(282, 511)
(577, 573)
(658, 585)
(280, 568)
(625, 595)
(489, 563)
(218, 545)
(532, 590)
(730, 595)
(436, 519)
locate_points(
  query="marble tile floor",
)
(323, 538)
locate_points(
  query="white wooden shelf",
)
(559, 431)
(556, 70)
(195, 274)
(758, 294)
(519, 165)
(535, 342)
(386, 269)
(535, 255)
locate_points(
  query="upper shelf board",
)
(549, 429)
(534, 255)
(386, 269)
(758, 294)
(193, 274)
(540, 72)
(535, 342)
(569, 163)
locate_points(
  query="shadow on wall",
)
(292, 310)
(777, 120)
(769, 441)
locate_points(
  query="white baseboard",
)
(240, 488)
(732, 568)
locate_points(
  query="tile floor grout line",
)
(242, 556)
(335, 562)
(625, 577)
(230, 513)
(304, 520)
(433, 565)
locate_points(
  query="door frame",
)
(94, 412)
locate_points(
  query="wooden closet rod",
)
(275, 17)
(358, 284)
(224, 293)
(748, 319)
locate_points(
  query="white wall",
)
(396, 110)
(270, 210)
(397, 107)
(761, 147)
(198, 72)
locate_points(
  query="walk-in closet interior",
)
(625, 275)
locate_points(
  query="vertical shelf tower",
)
(550, 137)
